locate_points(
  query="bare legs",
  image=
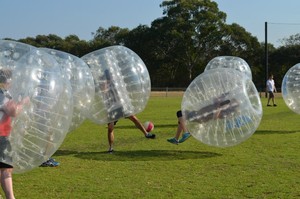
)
(138, 124)
(6, 183)
(271, 97)
(180, 128)
(110, 136)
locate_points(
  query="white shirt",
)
(270, 85)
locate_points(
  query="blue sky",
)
(28, 18)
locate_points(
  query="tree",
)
(113, 35)
(291, 40)
(238, 42)
(140, 41)
(71, 44)
(282, 59)
(187, 34)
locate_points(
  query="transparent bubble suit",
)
(11, 52)
(122, 83)
(290, 88)
(82, 83)
(232, 62)
(222, 107)
(40, 128)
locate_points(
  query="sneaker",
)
(53, 162)
(173, 140)
(50, 163)
(275, 105)
(268, 105)
(45, 164)
(110, 151)
(185, 137)
(150, 135)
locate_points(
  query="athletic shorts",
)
(179, 114)
(115, 122)
(4, 145)
(3, 165)
(271, 94)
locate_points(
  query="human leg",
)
(269, 98)
(184, 129)
(110, 136)
(178, 131)
(273, 100)
(180, 128)
(174, 140)
(139, 125)
(7, 183)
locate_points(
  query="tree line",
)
(177, 46)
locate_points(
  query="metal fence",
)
(167, 91)
(179, 91)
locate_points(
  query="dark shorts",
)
(115, 122)
(3, 165)
(4, 145)
(271, 94)
(179, 114)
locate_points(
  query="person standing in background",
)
(270, 90)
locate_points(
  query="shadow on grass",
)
(274, 132)
(140, 155)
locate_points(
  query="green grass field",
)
(264, 166)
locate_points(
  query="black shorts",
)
(3, 165)
(271, 94)
(115, 122)
(179, 114)
(5, 145)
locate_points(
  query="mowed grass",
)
(264, 166)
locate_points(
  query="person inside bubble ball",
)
(116, 108)
(181, 130)
(138, 124)
(8, 109)
(111, 96)
(219, 109)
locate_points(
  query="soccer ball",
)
(149, 126)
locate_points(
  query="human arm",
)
(13, 108)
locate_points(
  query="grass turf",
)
(264, 166)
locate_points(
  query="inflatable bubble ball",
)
(290, 88)
(222, 107)
(122, 83)
(11, 52)
(82, 83)
(45, 105)
(233, 62)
